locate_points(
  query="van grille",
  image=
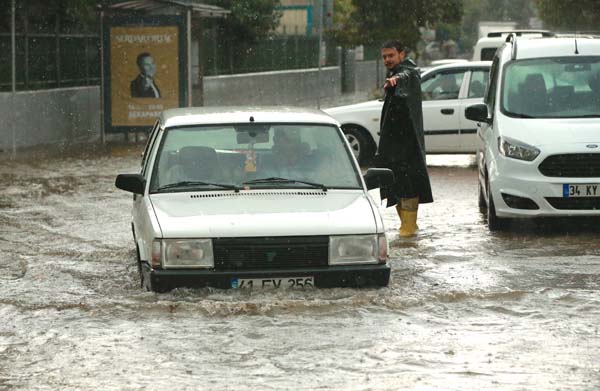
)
(580, 165)
(587, 203)
(271, 252)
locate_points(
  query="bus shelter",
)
(146, 59)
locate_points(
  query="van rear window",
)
(487, 54)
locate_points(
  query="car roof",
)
(556, 47)
(495, 37)
(231, 114)
(459, 65)
(445, 61)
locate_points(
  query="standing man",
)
(402, 142)
(143, 86)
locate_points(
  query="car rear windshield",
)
(253, 156)
(561, 87)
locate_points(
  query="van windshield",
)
(253, 156)
(562, 87)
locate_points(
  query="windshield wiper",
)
(197, 183)
(519, 115)
(286, 180)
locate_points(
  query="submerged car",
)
(539, 131)
(254, 198)
(447, 90)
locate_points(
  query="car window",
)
(558, 87)
(442, 85)
(236, 154)
(478, 83)
(487, 54)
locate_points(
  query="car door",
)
(485, 131)
(140, 202)
(441, 109)
(476, 83)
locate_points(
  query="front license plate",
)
(276, 283)
(581, 190)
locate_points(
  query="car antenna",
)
(576, 50)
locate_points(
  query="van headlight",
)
(516, 149)
(188, 253)
(357, 249)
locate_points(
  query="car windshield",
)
(253, 156)
(563, 87)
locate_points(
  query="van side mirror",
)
(478, 113)
(133, 183)
(378, 177)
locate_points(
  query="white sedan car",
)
(254, 198)
(447, 91)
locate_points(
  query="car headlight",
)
(187, 253)
(517, 150)
(357, 249)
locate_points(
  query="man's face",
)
(148, 67)
(392, 57)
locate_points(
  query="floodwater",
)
(465, 310)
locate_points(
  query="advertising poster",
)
(144, 75)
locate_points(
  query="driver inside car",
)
(289, 155)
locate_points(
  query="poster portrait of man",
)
(144, 85)
(144, 72)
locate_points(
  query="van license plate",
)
(581, 190)
(272, 283)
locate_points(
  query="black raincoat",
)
(402, 141)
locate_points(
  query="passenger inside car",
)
(195, 163)
(447, 89)
(594, 84)
(289, 155)
(533, 94)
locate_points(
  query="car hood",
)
(263, 213)
(351, 108)
(548, 131)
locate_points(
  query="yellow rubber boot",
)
(408, 226)
(407, 210)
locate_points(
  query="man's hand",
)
(391, 82)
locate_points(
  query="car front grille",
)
(576, 165)
(270, 252)
(587, 203)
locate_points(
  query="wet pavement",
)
(465, 310)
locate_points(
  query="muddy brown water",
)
(465, 310)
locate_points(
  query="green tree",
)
(249, 20)
(374, 21)
(570, 15)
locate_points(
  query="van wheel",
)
(139, 265)
(358, 143)
(495, 223)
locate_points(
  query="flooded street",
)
(466, 309)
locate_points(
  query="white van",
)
(486, 46)
(539, 131)
(255, 198)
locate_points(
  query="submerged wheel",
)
(139, 265)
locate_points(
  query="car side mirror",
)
(133, 183)
(378, 177)
(478, 113)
